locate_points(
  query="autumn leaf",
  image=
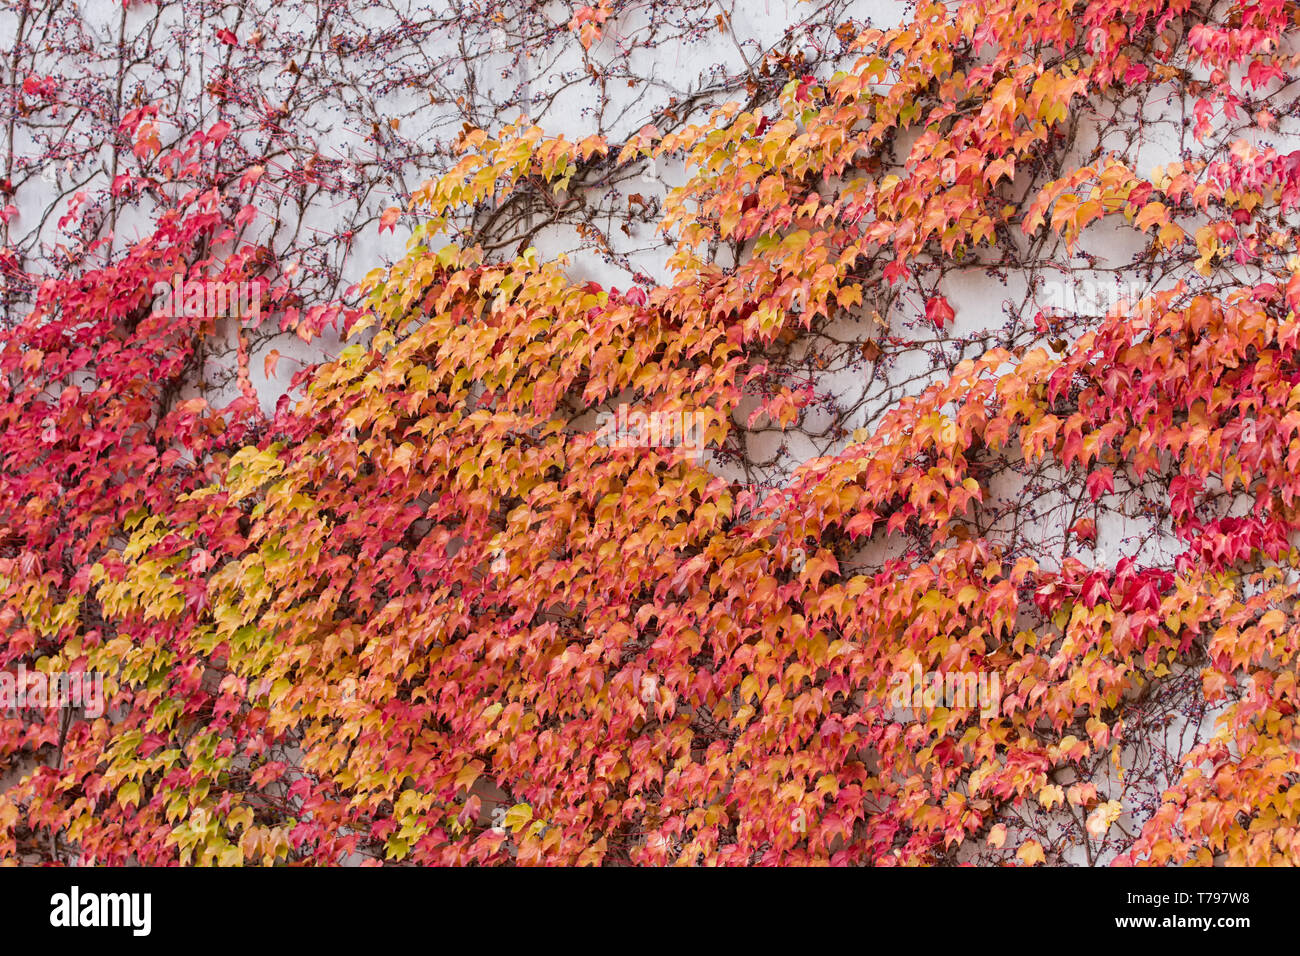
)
(939, 312)
(1030, 853)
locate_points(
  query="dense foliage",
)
(425, 614)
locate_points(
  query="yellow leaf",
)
(1274, 620)
(517, 817)
(1030, 853)
(129, 793)
(468, 774)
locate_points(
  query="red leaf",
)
(1085, 529)
(939, 312)
(253, 174)
(1101, 481)
(895, 272)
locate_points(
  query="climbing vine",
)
(436, 610)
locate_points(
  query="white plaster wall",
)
(988, 308)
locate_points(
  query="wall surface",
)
(338, 111)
